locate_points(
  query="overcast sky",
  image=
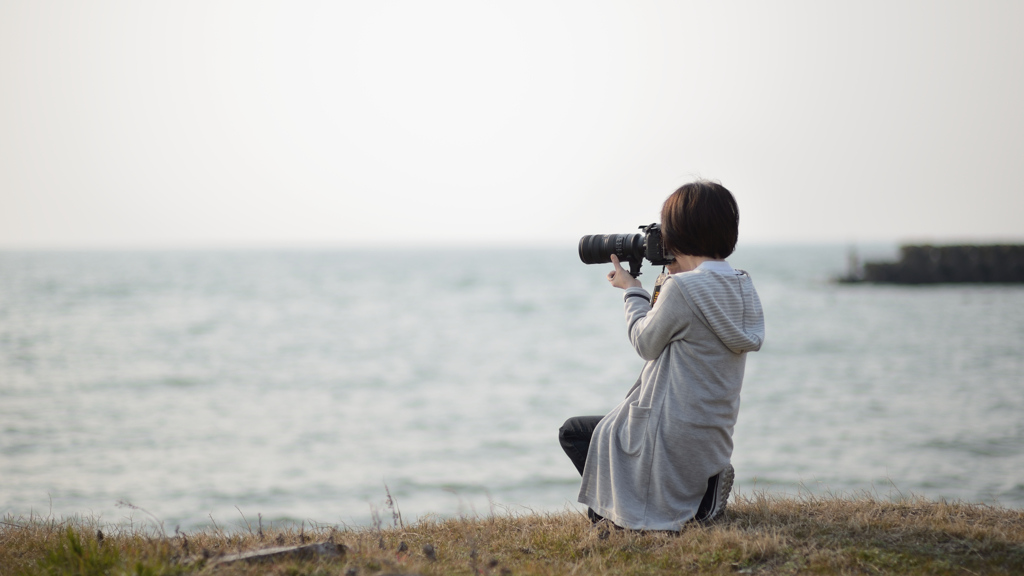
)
(234, 124)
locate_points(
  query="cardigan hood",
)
(727, 304)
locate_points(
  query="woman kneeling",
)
(661, 457)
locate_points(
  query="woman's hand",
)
(619, 278)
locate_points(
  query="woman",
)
(661, 457)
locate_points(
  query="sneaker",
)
(717, 496)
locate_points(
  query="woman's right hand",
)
(619, 278)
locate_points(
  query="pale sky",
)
(263, 124)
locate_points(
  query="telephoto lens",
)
(598, 248)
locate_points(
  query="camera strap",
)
(657, 285)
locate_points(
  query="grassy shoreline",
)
(759, 534)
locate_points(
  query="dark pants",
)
(575, 435)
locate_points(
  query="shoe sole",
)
(725, 481)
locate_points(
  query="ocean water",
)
(300, 385)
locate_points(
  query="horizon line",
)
(467, 245)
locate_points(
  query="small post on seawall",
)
(854, 271)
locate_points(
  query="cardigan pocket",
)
(631, 436)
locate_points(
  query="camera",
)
(632, 248)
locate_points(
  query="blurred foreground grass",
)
(759, 534)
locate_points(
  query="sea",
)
(342, 387)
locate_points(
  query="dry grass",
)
(759, 534)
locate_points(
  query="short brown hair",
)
(701, 219)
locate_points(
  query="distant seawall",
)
(940, 264)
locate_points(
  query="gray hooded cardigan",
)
(651, 457)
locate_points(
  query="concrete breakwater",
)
(928, 264)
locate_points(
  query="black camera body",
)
(632, 248)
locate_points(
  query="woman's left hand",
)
(619, 278)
